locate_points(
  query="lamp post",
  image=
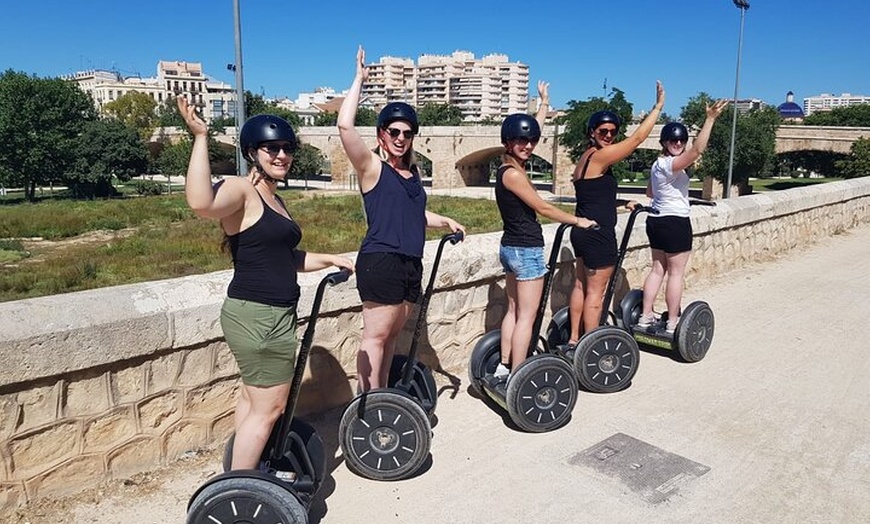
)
(743, 5)
(241, 165)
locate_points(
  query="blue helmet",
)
(395, 111)
(602, 117)
(264, 128)
(520, 125)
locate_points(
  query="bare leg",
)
(575, 302)
(509, 321)
(596, 285)
(264, 406)
(528, 299)
(676, 264)
(381, 325)
(653, 281)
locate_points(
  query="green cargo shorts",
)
(262, 339)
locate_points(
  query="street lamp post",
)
(242, 166)
(743, 5)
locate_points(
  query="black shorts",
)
(597, 247)
(388, 278)
(669, 234)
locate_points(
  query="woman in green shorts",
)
(258, 317)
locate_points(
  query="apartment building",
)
(487, 88)
(827, 102)
(216, 99)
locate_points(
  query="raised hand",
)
(196, 124)
(660, 94)
(543, 91)
(713, 111)
(361, 70)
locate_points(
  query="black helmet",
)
(674, 131)
(264, 128)
(601, 117)
(520, 125)
(398, 111)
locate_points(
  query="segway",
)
(386, 433)
(542, 391)
(291, 468)
(693, 334)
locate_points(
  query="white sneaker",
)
(646, 321)
(501, 371)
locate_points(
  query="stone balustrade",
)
(107, 383)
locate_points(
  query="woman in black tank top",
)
(522, 244)
(595, 187)
(258, 317)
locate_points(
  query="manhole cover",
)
(651, 472)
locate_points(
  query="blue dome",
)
(790, 110)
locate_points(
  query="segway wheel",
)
(630, 309)
(237, 500)
(695, 331)
(559, 330)
(384, 435)
(484, 359)
(304, 455)
(423, 386)
(606, 359)
(541, 394)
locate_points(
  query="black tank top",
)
(265, 260)
(596, 197)
(521, 226)
(396, 214)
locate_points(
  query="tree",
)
(306, 161)
(849, 116)
(40, 120)
(168, 115)
(858, 162)
(105, 148)
(574, 136)
(432, 114)
(365, 117)
(326, 119)
(135, 110)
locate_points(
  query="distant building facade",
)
(216, 99)
(491, 87)
(746, 105)
(827, 102)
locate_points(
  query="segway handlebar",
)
(338, 277)
(455, 238)
(697, 202)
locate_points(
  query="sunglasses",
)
(522, 141)
(274, 149)
(393, 132)
(605, 132)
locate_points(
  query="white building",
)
(827, 102)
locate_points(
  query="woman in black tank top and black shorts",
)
(522, 244)
(595, 187)
(389, 263)
(258, 317)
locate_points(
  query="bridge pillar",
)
(444, 173)
(343, 174)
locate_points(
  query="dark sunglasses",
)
(393, 132)
(606, 132)
(522, 141)
(274, 149)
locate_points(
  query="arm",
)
(543, 103)
(316, 261)
(364, 161)
(612, 154)
(699, 145)
(520, 185)
(201, 197)
(435, 220)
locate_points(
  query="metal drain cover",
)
(651, 472)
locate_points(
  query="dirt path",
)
(778, 411)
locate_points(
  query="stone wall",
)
(104, 384)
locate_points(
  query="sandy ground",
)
(778, 411)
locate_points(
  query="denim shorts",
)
(527, 263)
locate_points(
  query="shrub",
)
(148, 187)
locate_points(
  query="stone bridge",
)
(460, 155)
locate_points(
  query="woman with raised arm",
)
(522, 244)
(670, 230)
(389, 263)
(596, 186)
(258, 316)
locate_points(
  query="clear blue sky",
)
(291, 47)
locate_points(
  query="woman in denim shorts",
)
(258, 316)
(522, 244)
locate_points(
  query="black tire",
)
(384, 435)
(423, 386)
(559, 330)
(541, 393)
(304, 454)
(606, 359)
(484, 359)
(236, 500)
(694, 333)
(630, 309)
